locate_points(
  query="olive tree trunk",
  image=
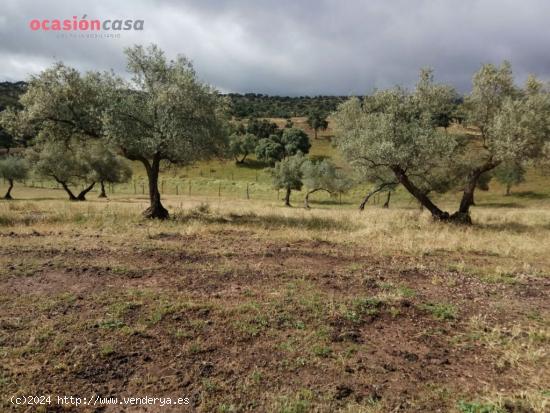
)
(64, 185)
(82, 195)
(404, 180)
(387, 203)
(306, 199)
(287, 197)
(10, 187)
(156, 210)
(102, 194)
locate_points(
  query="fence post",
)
(247, 192)
(189, 187)
(219, 190)
(177, 189)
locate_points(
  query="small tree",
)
(64, 162)
(240, 146)
(317, 121)
(108, 167)
(323, 176)
(13, 169)
(287, 174)
(510, 174)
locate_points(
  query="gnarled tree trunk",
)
(403, 179)
(306, 199)
(82, 195)
(10, 187)
(102, 194)
(64, 185)
(463, 214)
(156, 210)
(287, 197)
(387, 203)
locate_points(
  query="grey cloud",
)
(295, 47)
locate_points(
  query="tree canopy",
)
(395, 133)
(164, 114)
(13, 168)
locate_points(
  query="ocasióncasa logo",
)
(84, 24)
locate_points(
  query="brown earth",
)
(237, 322)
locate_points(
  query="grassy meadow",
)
(245, 305)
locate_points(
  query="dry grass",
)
(338, 310)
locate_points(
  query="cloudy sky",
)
(293, 47)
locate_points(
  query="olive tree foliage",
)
(61, 111)
(164, 114)
(323, 176)
(66, 162)
(510, 174)
(317, 121)
(392, 136)
(287, 174)
(108, 167)
(395, 133)
(13, 168)
(73, 163)
(242, 145)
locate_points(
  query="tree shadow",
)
(500, 205)
(531, 195)
(514, 227)
(270, 221)
(252, 164)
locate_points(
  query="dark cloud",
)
(295, 47)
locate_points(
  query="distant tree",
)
(270, 150)
(510, 174)
(64, 162)
(165, 114)
(317, 121)
(13, 169)
(262, 129)
(287, 175)
(323, 176)
(295, 140)
(240, 146)
(280, 146)
(107, 167)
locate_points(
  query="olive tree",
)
(107, 166)
(241, 145)
(323, 176)
(66, 163)
(164, 114)
(287, 174)
(317, 121)
(509, 174)
(12, 169)
(396, 132)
